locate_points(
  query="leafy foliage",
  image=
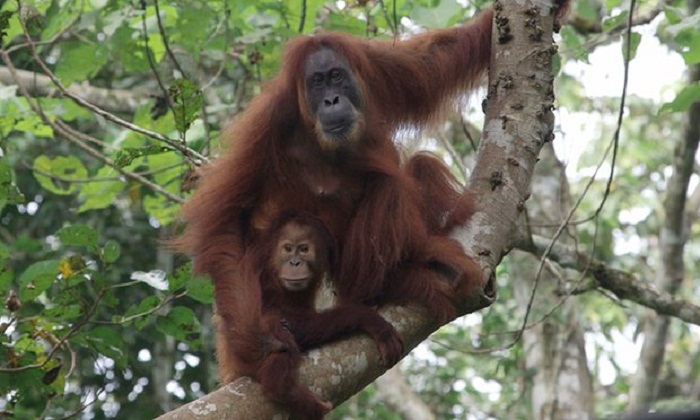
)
(99, 317)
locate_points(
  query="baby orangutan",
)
(276, 320)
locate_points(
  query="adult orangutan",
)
(275, 318)
(318, 140)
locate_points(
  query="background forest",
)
(107, 108)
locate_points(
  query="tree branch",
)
(75, 137)
(335, 372)
(190, 154)
(624, 285)
(588, 27)
(116, 101)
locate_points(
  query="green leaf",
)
(128, 47)
(615, 21)
(673, 14)
(108, 342)
(200, 289)
(9, 194)
(179, 279)
(588, 10)
(160, 207)
(37, 278)
(114, 20)
(56, 174)
(6, 277)
(143, 307)
(683, 101)
(692, 55)
(53, 377)
(634, 39)
(346, 23)
(111, 251)
(60, 20)
(574, 43)
(80, 61)
(686, 34)
(556, 64)
(127, 155)
(166, 171)
(27, 344)
(611, 4)
(101, 194)
(4, 24)
(179, 323)
(63, 312)
(688, 23)
(436, 17)
(33, 124)
(80, 235)
(187, 100)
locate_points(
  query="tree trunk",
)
(554, 348)
(672, 239)
(163, 350)
(396, 393)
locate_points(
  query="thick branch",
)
(111, 100)
(624, 285)
(518, 123)
(335, 372)
(587, 27)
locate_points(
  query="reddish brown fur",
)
(444, 205)
(372, 206)
(275, 326)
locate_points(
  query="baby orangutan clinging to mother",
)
(275, 320)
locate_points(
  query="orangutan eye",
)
(317, 81)
(336, 76)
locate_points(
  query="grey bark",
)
(554, 348)
(672, 240)
(111, 100)
(623, 285)
(398, 395)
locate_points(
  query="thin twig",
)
(92, 179)
(67, 132)
(392, 27)
(130, 318)
(302, 18)
(614, 145)
(192, 155)
(465, 129)
(586, 27)
(83, 406)
(73, 330)
(154, 70)
(163, 35)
